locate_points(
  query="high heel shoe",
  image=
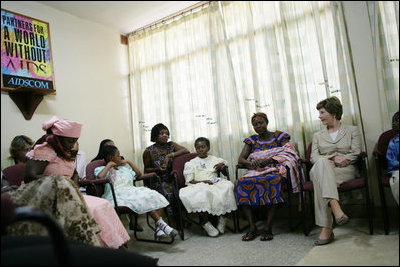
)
(320, 242)
(342, 220)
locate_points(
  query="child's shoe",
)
(159, 234)
(210, 229)
(221, 224)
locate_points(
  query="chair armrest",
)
(362, 155)
(304, 160)
(377, 154)
(174, 173)
(86, 182)
(146, 176)
(224, 171)
(240, 166)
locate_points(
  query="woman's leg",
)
(266, 234)
(325, 189)
(155, 214)
(336, 209)
(250, 218)
(253, 233)
(270, 218)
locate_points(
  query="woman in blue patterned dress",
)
(140, 199)
(158, 158)
(261, 188)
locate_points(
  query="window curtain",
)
(384, 21)
(207, 72)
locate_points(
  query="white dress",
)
(139, 199)
(216, 199)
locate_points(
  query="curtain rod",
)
(189, 9)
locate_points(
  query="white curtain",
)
(206, 73)
(384, 21)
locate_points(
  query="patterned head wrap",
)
(259, 115)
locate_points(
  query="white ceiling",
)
(122, 16)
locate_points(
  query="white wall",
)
(91, 79)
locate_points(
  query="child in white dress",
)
(205, 192)
(140, 199)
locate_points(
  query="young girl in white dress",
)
(206, 193)
(140, 199)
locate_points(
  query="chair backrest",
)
(7, 211)
(10, 213)
(309, 150)
(382, 146)
(179, 164)
(15, 174)
(99, 188)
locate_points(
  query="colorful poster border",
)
(26, 55)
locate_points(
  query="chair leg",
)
(180, 218)
(238, 222)
(307, 231)
(369, 211)
(384, 209)
(304, 213)
(235, 216)
(290, 209)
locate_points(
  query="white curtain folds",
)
(207, 72)
(384, 21)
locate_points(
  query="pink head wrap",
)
(64, 128)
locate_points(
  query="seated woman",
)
(53, 154)
(139, 199)
(334, 151)
(20, 145)
(265, 155)
(205, 192)
(392, 156)
(58, 197)
(103, 143)
(158, 158)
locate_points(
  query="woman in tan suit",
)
(334, 151)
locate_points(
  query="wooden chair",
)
(177, 172)
(96, 186)
(359, 182)
(381, 172)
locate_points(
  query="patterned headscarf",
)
(259, 115)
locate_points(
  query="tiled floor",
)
(352, 246)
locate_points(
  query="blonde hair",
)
(18, 144)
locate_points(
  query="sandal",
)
(266, 235)
(320, 242)
(250, 235)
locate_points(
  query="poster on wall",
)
(26, 58)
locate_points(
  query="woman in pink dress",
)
(53, 154)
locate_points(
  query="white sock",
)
(164, 226)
